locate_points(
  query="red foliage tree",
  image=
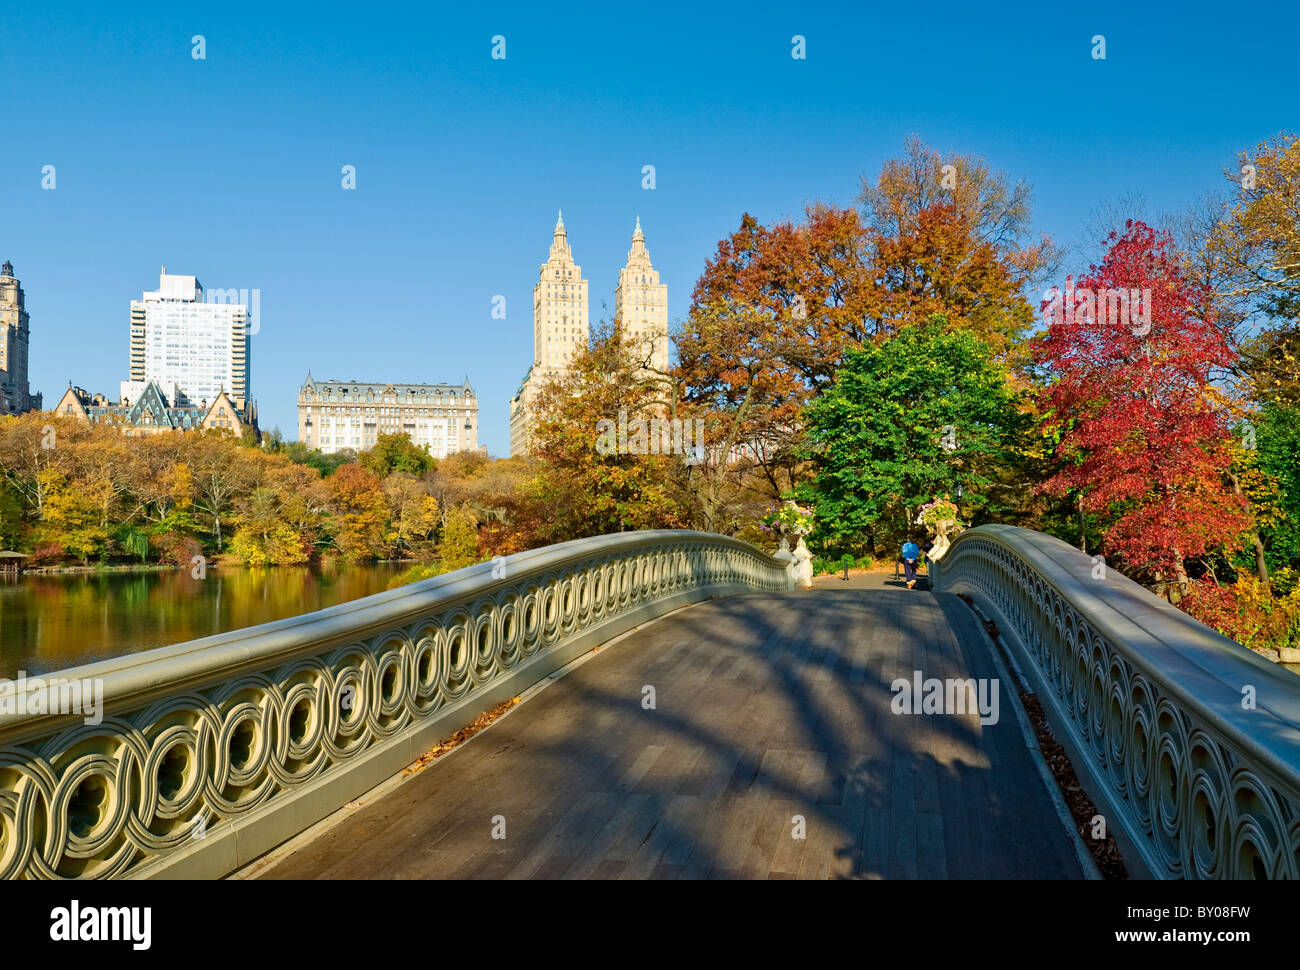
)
(1144, 434)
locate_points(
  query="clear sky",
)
(228, 168)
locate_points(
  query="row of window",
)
(383, 398)
(411, 411)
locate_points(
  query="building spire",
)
(638, 257)
(560, 244)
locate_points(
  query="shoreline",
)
(211, 564)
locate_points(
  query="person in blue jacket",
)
(911, 553)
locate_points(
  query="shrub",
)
(47, 555)
(1248, 611)
(178, 550)
(823, 566)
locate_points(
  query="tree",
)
(592, 490)
(220, 473)
(12, 521)
(778, 307)
(70, 517)
(949, 235)
(908, 419)
(1144, 433)
(360, 515)
(1257, 241)
(1276, 462)
(263, 537)
(458, 547)
(32, 443)
(299, 453)
(396, 453)
(413, 513)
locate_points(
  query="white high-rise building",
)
(641, 303)
(200, 347)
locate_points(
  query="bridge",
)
(683, 712)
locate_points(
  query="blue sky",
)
(229, 168)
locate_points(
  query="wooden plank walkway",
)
(767, 707)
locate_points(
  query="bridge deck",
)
(767, 707)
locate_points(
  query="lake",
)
(51, 622)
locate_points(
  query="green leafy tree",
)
(12, 520)
(1277, 456)
(907, 420)
(396, 453)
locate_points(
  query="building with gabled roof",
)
(152, 413)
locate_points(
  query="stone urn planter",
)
(803, 571)
(792, 520)
(944, 528)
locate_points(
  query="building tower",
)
(560, 328)
(15, 392)
(560, 310)
(197, 343)
(641, 303)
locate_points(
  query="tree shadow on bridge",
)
(771, 707)
(766, 707)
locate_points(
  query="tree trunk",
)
(1261, 563)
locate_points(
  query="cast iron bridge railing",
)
(1188, 743)
(212, 752)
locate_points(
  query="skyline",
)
(462, 161)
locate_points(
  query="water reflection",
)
(52, 622)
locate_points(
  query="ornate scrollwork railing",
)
(212, 752)
(1188, 742)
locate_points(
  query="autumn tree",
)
(946, 234)
(263, 536)
(592, 490)
(1257, 240)
(220, 474)
(31, 444)
(778, 307)
(1144, 433)
(71, 517)
(458, 547)
(413, 513)
(359, 513)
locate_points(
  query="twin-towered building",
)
(561, 321)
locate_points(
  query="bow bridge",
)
(686, 712)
